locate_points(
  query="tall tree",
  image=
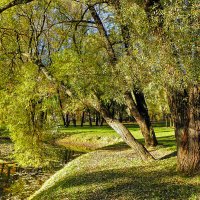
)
(138, 108)
(184, 94)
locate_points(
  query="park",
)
(99, 99)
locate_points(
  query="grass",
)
(92, 138)
(114, 172)
(119, 175)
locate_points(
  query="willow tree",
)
(40, 42)
(26, 96)
(183, 72)
(173, 61)
(175, 65)
(133, 95)
(167, 38)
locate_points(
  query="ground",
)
(114, 172)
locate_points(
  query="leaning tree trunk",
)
(140, 113)
(146, 128)
(122, 131)
(185, 108)
(139, 109)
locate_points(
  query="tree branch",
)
(103, 32)
(14, 3)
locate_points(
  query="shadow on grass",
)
(118, 146)
(166, 141)
(173, 154)
(129, 183)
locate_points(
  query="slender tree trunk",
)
(90, 118)
(122, 131)
(41, 119)
(61, 109)
(142, 120)
(74, 120)
(97, 119)
(67, 120)
(82, 118)
(102, 121)
(121, 117)
(185, 108)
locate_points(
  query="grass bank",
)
(117, 175)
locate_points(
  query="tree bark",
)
(67, 120)
(122, 131)
(142, 118)
(185, 108)
(97, 119)
(102, 121)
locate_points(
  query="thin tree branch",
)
(14, 3)
(103, 32)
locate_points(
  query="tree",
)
(150, 42)
(138, 108)
(174, 64)
(40, 53)
(184, 88)
(172, 59)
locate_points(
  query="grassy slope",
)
(116, 173)
(91, 138)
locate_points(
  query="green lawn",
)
(91, 138)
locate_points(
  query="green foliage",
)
(177, 56)
(23, 111)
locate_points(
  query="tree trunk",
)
(97, 119)
(102, 121)
(185, 108)
(67, 120)
(82, 118)
(90, 118)
(74, 120)
(61, 109)
(140, 113)
(123, 132)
